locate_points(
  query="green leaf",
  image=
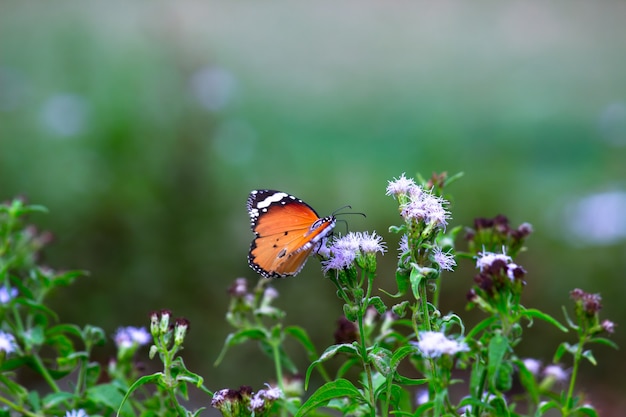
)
(538, 314)
(378, 304)
(400, 354)
(381, 358)
(402, 281)
(453, 319)
(500, 407)
(334, 389)
(564, 347)
(184, 374)
(498, 347)
(415, 279)
(92, 374)
(400, 399)
(53, 400)
(34, 400)
(481, 326)
(239, 337)
(543, 407)
(329, 353)
(144, 380)
(67, 278)
(302, 336)
(588, 410)
(109, 395)
(528, 381)
(409, 381)
(569, 321)
(33, 306)
(588, 354)
(604, 341)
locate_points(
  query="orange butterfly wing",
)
(287, 230)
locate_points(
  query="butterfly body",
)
(286, 231)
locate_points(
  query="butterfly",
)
(286, 231)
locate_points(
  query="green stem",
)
(19, 409)
(424, 304)
(279, 371)
(570, 392)
(44, 372)
(366, 363)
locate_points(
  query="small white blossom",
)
(7, 294)
(421, 396)
(128, 336)
(435, 344)
(555, 372)
(270, 294)
(76, 413)
(533, 365)
(7, 342)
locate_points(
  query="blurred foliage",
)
(142, 126)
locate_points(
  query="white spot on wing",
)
(274, 198)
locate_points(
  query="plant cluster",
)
(400, 354)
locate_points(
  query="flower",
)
(533, 365)
(344, 250)
(76, 413)
(372, 243)
(486, 259)
(7, 342)
(555, 372)
(402, 185)
(181, 326)
(608, 326)
(445, 260)
(7, 294)
(435, 344)
(493, 263)
(340, 259)
(263, 399)
(421, 396)
(269, 295)
(239, 288)
(425, 206)
(129, 336)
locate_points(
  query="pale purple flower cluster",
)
(344, 250)
(427, 207)
(435, 344)
(486, 259)
(445, 260)
(76, 413)
(7, 294)
(258, 402)
(402, 185)
(7, 342)
(421, 205)
(126, 337)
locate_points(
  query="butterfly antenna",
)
(336, 212)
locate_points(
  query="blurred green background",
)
(143, 126)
